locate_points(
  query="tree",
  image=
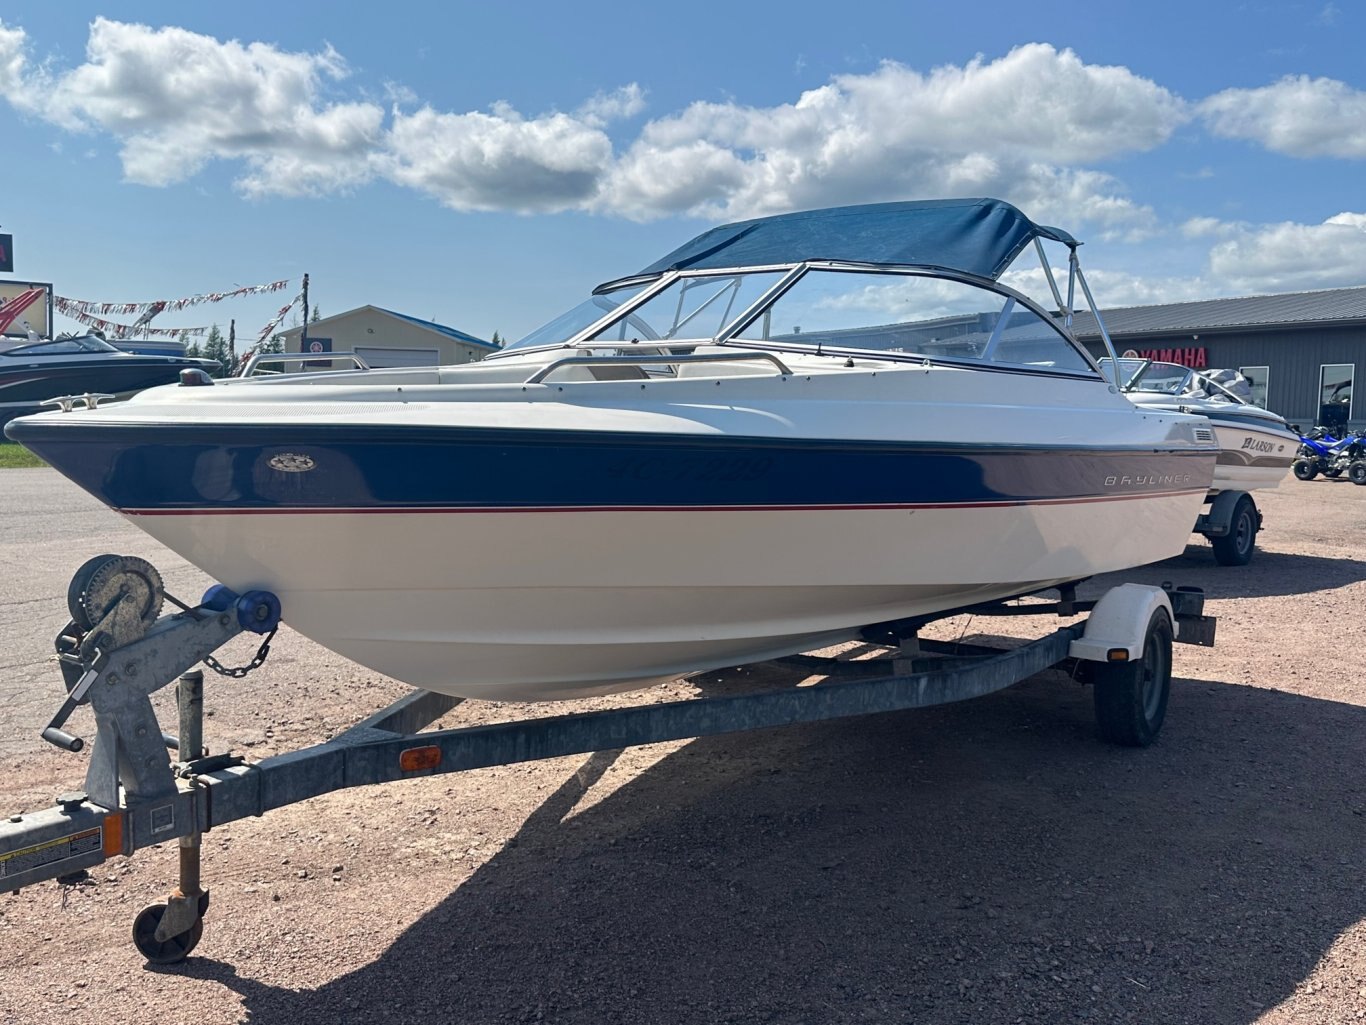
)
(216, 347)
(316, 315)
(496, 340)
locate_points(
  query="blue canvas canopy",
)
(975, 236)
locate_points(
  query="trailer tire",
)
(1235, 548)
(1305, 469)
(171, 951)
(1131, 697)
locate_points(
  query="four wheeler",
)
(1321, 452)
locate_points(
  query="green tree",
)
(496, 340)
(216, 347)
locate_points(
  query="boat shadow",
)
(984, 862)
(1268, 574)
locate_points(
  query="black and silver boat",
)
(33, 373)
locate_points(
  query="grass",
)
(14, 456)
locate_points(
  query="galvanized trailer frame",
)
(136, 797)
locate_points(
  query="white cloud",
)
(12, 42)
(1297, 116)
(499, 160)
(1001, 127)
(176, 100)
(628, 101)
(1291, 257)
(1013, 127)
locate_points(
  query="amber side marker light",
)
(113, 834)
(1117, 655)
(416, 759)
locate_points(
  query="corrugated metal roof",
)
(1288, 309)
(451, 332)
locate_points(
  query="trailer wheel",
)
(1305, 469)
(1235, 548)
(1131, 697)
(171, 951)
(1356, 472)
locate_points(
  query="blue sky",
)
(485, 165)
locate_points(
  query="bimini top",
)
(975, 236)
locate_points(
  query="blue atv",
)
(1323, 453)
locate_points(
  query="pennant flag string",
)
(159, 305)
(116, 330)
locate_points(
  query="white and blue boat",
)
(784, 431)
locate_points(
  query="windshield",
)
(63, 347)
(691, 307)
(913, 313)
(588, 312)
(1140, 375)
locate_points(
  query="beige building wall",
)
(370, 330)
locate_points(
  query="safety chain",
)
(241, 671)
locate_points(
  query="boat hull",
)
(556, 554)
(596, 601)
(1251, 456)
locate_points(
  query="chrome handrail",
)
(618, 361)
(300, 357)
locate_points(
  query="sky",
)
(486, 165)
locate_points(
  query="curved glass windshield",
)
(691, 307)
(917, 314)
(591, 310)
(63, 347)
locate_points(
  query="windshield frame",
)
(794, 273)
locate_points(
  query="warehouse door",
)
(383, 356)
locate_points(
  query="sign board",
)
(25, 301)
(317, 345)
(7, 253)
(1196, 358)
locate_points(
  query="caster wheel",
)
(171, 951)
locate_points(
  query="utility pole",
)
(303, 335)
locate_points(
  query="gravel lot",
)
(985, 862)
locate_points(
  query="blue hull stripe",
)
(321, 468)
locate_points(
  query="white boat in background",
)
(1256, 446)
(786, 430)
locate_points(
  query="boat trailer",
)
(118, 649)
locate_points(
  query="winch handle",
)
(53, 733)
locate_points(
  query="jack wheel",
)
(1131, 697)
(171, 951)
(1235, 548)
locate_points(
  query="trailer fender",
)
(1120, 620)
(1219, 520)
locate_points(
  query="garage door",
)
(383, 356)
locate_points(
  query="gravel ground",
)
(985, 862)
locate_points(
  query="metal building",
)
(384, 338)
(1302, 351)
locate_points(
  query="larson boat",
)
(1256, 446)
(786, 430)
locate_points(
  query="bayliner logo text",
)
(1140, 480)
